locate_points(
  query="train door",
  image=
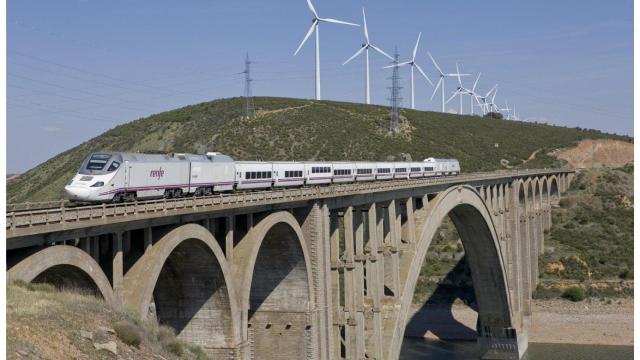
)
(127, 174)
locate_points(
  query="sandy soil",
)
(553, 321)
(598, 153)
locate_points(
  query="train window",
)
(428, 168)
(114, 165)
(415, 169)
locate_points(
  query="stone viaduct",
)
(310, 273)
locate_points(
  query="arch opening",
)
(192, 297)
(69, 278)
(474, 224)
(279, 296)
(554, 193)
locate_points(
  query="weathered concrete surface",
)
(183, 281)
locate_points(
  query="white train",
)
(119, 177)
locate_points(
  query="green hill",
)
(296, 129)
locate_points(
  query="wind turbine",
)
(315, 26)
(506, 108)
(472, 93)
(441, 81)
(461, 90)
(484, 105)
(413, 64)
(492, 104)
(365, 47)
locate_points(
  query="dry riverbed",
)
(554, 321)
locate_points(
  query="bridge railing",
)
(22, 216)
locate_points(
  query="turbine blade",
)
(435, 63)
(380, 51)
(355, 55)
(436, 89)
(415, 48)
(452, 96)
(335, 21)
(364, 23)
(306, 37)
(313, 9)
(423, 74)
(397, 65)
(458, 72)
(476, 83)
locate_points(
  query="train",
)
(124, 177)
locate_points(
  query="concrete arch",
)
(272, 266)
(184, 281)
(64, 266)
(475, 226)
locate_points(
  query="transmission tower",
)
(249, 109)
(395, 99)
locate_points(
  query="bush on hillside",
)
(128, 333)
(574, 294)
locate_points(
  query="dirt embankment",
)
(598, 153)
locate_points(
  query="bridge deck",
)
(40, 222)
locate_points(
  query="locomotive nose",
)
(76, 193)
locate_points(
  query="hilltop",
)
(297, 129)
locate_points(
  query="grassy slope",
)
(45, 323)
(288, 129)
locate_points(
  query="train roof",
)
(140, 157)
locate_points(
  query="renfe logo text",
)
(157, 173)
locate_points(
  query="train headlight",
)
(98, 184)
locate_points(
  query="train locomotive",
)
(121, 177)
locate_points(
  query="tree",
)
(494, 115)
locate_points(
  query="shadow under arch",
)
(64, 266)
(184, 282)
(554, 190)
(475, 226)
(273, 267)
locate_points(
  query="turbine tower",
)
(413, 64)
(441, 81)
(365, 47)
(395, 99)
(315, 26)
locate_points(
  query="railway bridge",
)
(308, 273)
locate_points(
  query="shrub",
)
(197, 351)
(44, 287)
(176, 347)
(624, 274)
(574, 294)
(128, 333)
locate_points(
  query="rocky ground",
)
(594, 322)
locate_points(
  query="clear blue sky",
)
(78, 68)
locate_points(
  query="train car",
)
(288, 173)
(444, 167)
(317, 173)
(415, 170)
(211, 173)
(428, 169)
(253, 175)
(119, 177)
(401, 170)
(384, 170)
(344, 172)
(365, 171)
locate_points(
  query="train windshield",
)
(98, 161)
